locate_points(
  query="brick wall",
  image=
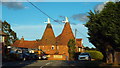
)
(48, 49)
(57, 57)
(59, 49)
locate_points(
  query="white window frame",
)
(52, 47)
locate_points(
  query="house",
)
(55, 47)
(2, 37)
(3, 48)
(23, 44)
(79, 45)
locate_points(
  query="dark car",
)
(33, 56)
(23, 56)
(42, 56)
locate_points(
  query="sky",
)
(27, 21)
(57, 0)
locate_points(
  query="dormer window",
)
(52, 48)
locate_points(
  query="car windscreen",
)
(84, 54)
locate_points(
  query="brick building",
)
(51, 45)
(3, 48)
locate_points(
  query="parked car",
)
(42, 56)
(84, 56)
(20, 55)
(33, 56)
(24, 56)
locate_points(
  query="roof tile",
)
(66, 35)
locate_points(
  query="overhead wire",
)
(48, 15)
(43, 12)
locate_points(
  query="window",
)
(79, 49)
(39, 47)
(57, 47)
(52, 48)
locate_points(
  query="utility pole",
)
(75, 33)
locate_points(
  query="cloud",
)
(22, 0)
(80, 17)
(33, 32)
(114, 0)
(100, 7)
(36, 31)
(83, 16)
(55, 0)
(62, 17)
(0, 24)
(14, 5)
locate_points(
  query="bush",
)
(97, 55)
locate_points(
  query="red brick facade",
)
(50, 44)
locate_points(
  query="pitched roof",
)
(25, 44)
(79, 43)
(2, 33)
(66, 35)
(48, 37)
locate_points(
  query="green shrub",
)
(97, 55)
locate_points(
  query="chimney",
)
(22, 39)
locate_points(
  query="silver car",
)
(84, 56)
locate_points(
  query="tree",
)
(71, 49)
(87, 48)
(93, 48)
(104, 27)
(11, 35)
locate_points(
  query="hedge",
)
(97, 55)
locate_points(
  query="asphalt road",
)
(54, 64)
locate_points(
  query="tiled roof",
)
(2, 33)
(79, 43)
(48, 37)
(66, 35)
(25, 44)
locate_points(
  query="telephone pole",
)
(75, 33)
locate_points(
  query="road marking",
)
(41, 66)
(72, 65)
(46, 64)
